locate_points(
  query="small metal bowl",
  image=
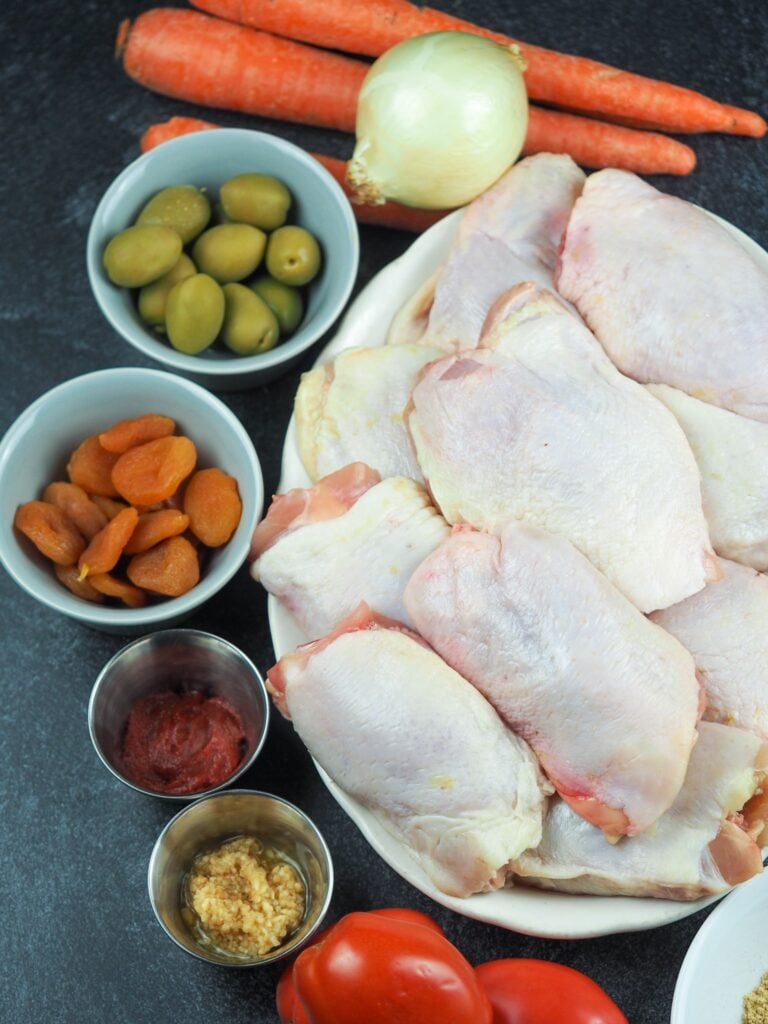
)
(179, 660)
(212, 820)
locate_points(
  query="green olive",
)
(194, 313)
(293, 255)
(257, 199)
(182, 207)
(141, 254)
(153, 297)
(285, 302)
(229, 252)
(250, 326)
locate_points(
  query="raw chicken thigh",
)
(410, 739)
(351, 410)
(695, 849)
(725, 627)
(732, 454)
(331, 497)
(672, 296)
(539, 425)
(509, 234)
(322, 568)
(608, 701)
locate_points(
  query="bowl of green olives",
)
(223, 255)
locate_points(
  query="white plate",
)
(552, 915)
(711, 986)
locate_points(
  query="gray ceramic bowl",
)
(212, 820)
(208, 159)
(35, 450)
(179, 660)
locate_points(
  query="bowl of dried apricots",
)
(128, 497)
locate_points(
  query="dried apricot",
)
(108, 506)
(90, 467)
(70, 577)
(153, 527)
(84, 513)
(138, 430)
(51, 531)
(103, 553)
(213, 505)
(111, 586)
(153, 471)
(170, 568)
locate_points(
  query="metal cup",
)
(212, 820)
(176, 659)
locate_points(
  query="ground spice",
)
(246, 899)
(756, 1004)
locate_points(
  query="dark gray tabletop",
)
(79, 940)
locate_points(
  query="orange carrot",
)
(216, 63)
(599, 144)
(386, 215)
(389, 214)
(173, 128)
(574, 83)
(219, 64)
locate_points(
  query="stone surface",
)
(80, 942)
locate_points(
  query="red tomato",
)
(289, 1007)
(540, 992)
(386, 969)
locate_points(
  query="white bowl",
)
(726, 959)
(35, 450)
(207, 159)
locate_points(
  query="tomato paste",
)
(182, 742)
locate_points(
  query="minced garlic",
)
(756, 1004)
(246, 901)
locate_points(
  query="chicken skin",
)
(509, 234)
(732, 454)
(352, 410)
(405, 735)
(672, 296)
(706, 842)
(607, 700)
(322, 561)
(538, 425)
(725, 627)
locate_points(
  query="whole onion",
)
(439, 118)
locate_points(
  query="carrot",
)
(575, 83)
(216, 63)
(599, 144)
(173, 128)
(220, 64)
(386, 215)
(389, 214)
(591, 143)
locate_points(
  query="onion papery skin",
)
(440, 118)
